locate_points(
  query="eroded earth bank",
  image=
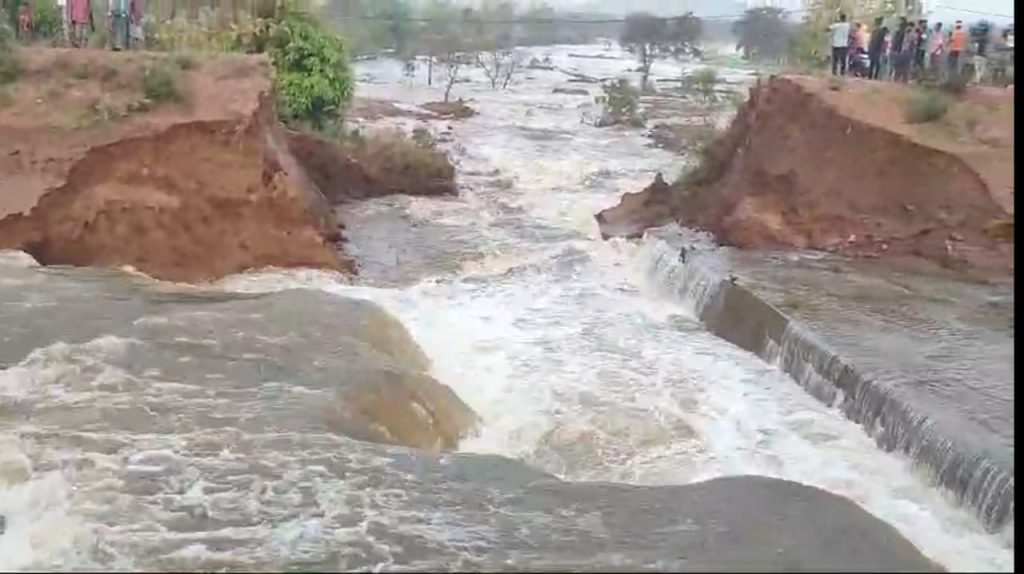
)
(886, 226)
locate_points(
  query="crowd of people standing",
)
(915, 50)
(123, 22)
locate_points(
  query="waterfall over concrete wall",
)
(736, 313)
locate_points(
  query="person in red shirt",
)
(79, 13)
(24, 21)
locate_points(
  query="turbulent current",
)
(148, 425)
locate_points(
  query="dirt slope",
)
(385, 163)
(804, 167)
(184, 191)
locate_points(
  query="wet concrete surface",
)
(946, 345)
(923, 363)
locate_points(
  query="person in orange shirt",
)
(957, 43)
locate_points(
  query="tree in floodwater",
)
(371, 26)
(439, 33)
(496, 45)
(704, 83)
(620, 104)
(500, 65)
(763, 35)
(650, 37)
(539, 25)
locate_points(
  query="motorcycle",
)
(859, 65)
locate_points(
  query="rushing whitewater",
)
(567, 348)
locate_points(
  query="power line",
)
(546, 20)
(604, 20)
(968, 10)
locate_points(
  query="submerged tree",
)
(540, 25)
(620, 104)
(439, 35)
(763, 34)
(495, 45)
(650, 37)
(642, 35)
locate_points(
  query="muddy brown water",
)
(149, 426)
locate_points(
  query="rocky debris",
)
(780, 177)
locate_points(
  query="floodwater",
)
(146, 425)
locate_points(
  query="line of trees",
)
(650, 37)
(373, 26)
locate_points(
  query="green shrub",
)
(704, 83)
(160, 84)
(422, 137)
(80, 72)
(312, 77)
(10, 66)
(47, 19)
(621, 104)
(955, 86)
(391, 152)
(207, 34)
(926, 107)
(185, 62)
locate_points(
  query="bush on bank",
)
(312, 76)
(10, 67)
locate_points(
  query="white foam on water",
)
(577, 364)
(593, 378)
(17, 259)
(564, 348)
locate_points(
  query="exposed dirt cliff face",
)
(191, 192)
(798, 170)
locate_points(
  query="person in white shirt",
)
(840, 44)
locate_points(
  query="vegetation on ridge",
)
(312, 76)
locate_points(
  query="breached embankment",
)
(799, 168)
(187, 192)
(203, 188)
(94, 173)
